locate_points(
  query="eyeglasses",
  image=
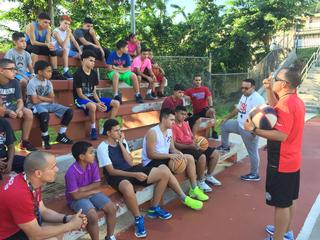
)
(13, 69)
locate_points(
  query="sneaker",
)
(155, 212)
(149, 97)
(198, 194)
(56, 75)
(288, 235)
(62, 138)
(204, 187)
(93, 134)
(214, 135)
(68, 76)
(250, 177)
(139, 227)
(110, 238)
(118, 98)
(153, 94)
(46, 142)
(193, 203)
(271, 238)
(223, 148)
(212, 180)
(161, 95)
(26, 146)
(139, 98)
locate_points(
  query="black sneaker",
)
(250, 177)
(139, 99)
(56, 75)
(215, 135)
(46, 141)
(118, 98)
(222, 148)
(68, 76)
(150, 97)
(153, 94)
(62, 138)
(27, 146)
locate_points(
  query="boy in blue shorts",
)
(119, 69)
(85, 80)
(22, 60)
(82, 190)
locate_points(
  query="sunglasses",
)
(276, 79)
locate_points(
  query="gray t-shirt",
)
(10, 93)
(37, 87)
(21, 59)
(79, 33)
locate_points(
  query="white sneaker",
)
(204, 187)
(213, 180)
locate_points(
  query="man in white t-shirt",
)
(249, 99)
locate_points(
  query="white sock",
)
(65, 69)
(115, 94)
(44, 133)
(93, 125)
(137, 93)
(149, 91)
(62, 130)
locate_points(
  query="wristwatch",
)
(64, 220)
(254, 129)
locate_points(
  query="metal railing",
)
(313, 59)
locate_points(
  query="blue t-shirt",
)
(123, 61)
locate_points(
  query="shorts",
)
(114, 181)
(125, 77)
(158, 74)
(197, 153)
(40, 50)
(70, 54)
(55, 108)
(192, 120)
(157, 163)
(20, 235)
(24, 75)
(281, 188)
(81, 103)
(95, 201)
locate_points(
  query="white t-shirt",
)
(246, 104)
(62, 35)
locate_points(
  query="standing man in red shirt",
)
(202, 104)
(175, 99)
(284, 149)
(23, 213)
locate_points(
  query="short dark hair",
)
(121, 43)
(293, 76)
(178, 87)
(130, 36)
(250, 80)
(79, 148)
(87, 54)
(4, 62)
(88, 20)
(109, 124)
(40, 65)
(44, 15)
(17, 35)
(165, 112)
(197, 75)
(180, 108)
(145, 49)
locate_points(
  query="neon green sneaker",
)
(198, 194)
(193, 203)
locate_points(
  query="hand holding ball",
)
(263, 117)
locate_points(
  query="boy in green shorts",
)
(119, 69)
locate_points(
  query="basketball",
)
(202, 143)
(177, 166)
(263, 117)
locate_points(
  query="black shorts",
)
(281, 188)
(40, 50)
(197, 153)
(192, 120)
(157, 163)
(114, 181)
(18, 236)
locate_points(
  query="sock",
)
(137, 94)
(193, 185)
(44, 134)
(149, 91)
(154, 207)
(183, 197)
(137, 218)
(93, 125)
(115, 94)
(62, 130)
(112, 237)
(65, 69)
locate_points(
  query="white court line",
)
(310, 221)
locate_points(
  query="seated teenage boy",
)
(184, 141)
(41, 101)
(83, 190)
(85, 80)
(114, 156)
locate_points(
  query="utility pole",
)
(133, 19)
(51, 12)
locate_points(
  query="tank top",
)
(162, 144)
(62, 35)
(38, 37)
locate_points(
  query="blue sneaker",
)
(156, 211)
(140, 232)
(288, 235)
(250, 177)
(94, 134)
